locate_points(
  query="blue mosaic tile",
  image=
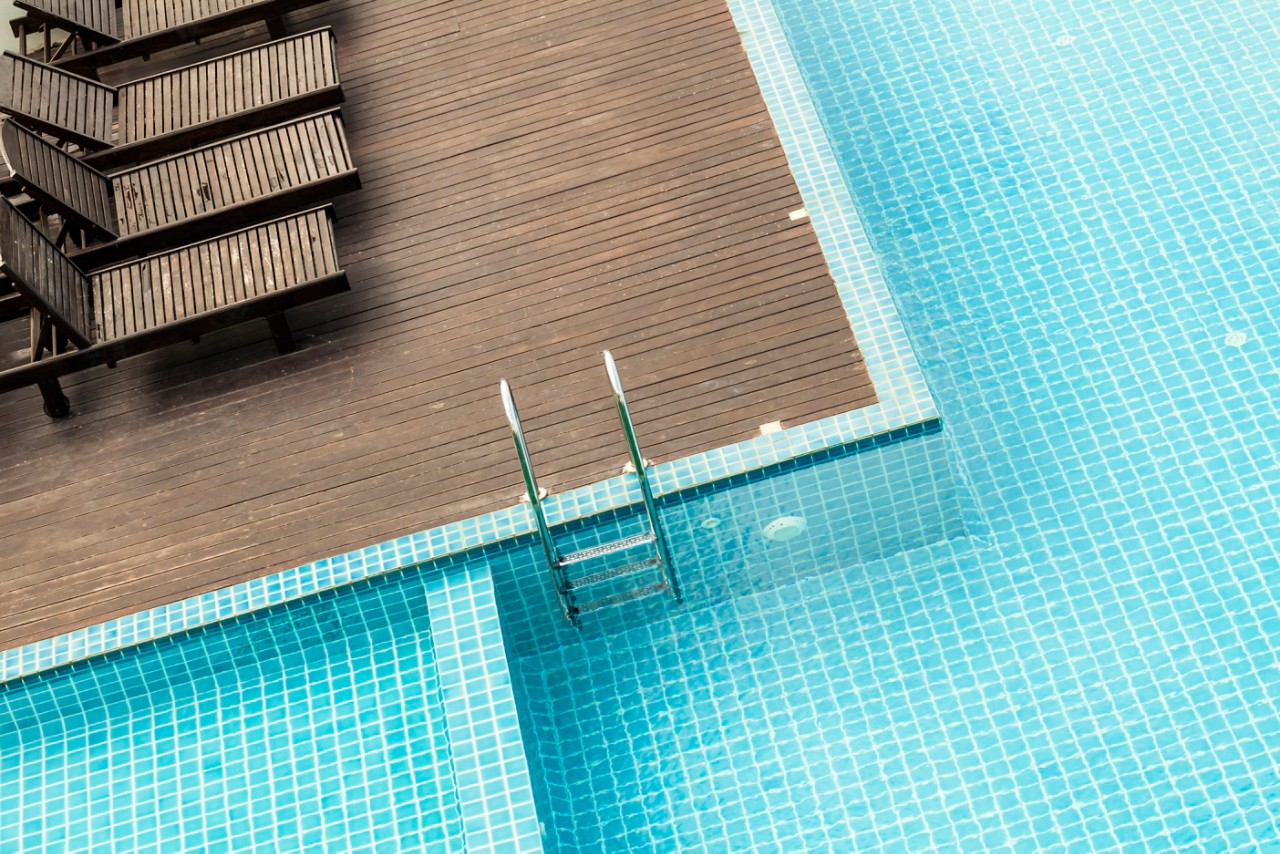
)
(1074, 205)
(860, 502)
(490, 770)
(704, 731)
(378, 716)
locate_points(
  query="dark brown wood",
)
(160, 205)
(281, 334)
(178, 109)
(163, 299)
(539, 184)
(46, 278)
(12, 305)
(94, 18)
(56, 404)
(150, 26)
(173, 111)
(77, 192)
(72, 108)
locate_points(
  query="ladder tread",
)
(607, 548)
(614, 572)
(624, 596)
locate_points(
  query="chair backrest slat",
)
(97, 18)
(41, 273)
(57, 102)
(75, 190)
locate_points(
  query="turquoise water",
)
(1077, 207)
(382, 715)
(353, 721)
(267, 732)
(861, 502)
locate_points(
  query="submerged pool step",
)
(614, 572)
(606, 549)
(624, 596)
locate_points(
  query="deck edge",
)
(903, 401)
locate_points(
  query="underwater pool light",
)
(785, 528)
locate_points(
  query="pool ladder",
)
(655, 571)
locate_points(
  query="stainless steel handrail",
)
(558, 577)
(637, 459)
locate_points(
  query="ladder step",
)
(606, 549)
(624, 596)
(614, 572)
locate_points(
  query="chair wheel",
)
(60, 407)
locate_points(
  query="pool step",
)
(607, 549)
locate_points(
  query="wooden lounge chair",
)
(176, 110)
(142, 28)
(85, 320)
(160, 205)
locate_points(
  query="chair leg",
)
(281, 333)
(56, 404)
(277, 28)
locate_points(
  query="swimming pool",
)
(1076, 208)
(384, 711)
(1059, 635)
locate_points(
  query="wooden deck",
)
(542, 181)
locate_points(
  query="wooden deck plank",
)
(537, 188)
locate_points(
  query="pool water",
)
(1048, 624)
(382, 714)
(320, 726)
(1077, 207)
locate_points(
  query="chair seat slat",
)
(261, 171)
(217, 274)
(201, 103)
(46, 277)
(96, 18)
